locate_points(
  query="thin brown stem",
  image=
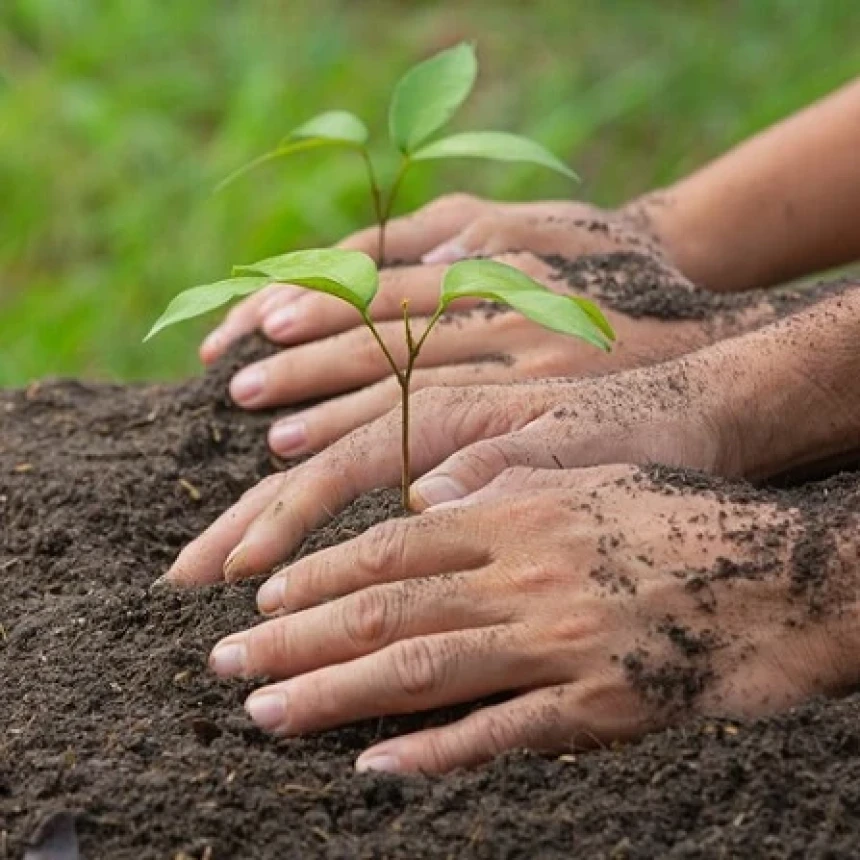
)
(406, 473)
(385, 350)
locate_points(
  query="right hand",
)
(464, 438)
(450, 228)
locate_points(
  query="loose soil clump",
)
(110, 714)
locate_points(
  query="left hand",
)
(332, 355)
(584, 611)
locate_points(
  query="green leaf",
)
(349, 275)
(333, 128)
(496, 145)
(497, 282)
(428, 95)
(199, 300)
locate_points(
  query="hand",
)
(472, 345)
(604, 613)
(461, 225)
(465, 437)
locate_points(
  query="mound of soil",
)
(109, 713)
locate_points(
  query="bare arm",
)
(783, 204)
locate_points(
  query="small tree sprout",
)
(353, 277)
(423, 101)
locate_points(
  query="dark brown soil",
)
(109, 712)
(639, 285)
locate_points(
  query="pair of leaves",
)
(425, 98)
(353, 277)
(429, 94)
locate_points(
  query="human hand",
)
(472, 345)
(449, 228)
(617, 604)
(465, 437)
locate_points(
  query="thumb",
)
(486, 236)
(475, 467)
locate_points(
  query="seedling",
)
(424, 100)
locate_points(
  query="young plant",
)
(424, 100)
(353, 277)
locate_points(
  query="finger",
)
(353, 359)
(444, 420)
(389, 552)
(542, 234)
(315, 315)
(316, 428)
(408, 676)
(354, 626)
(410, 236)
(475, 466)
(202, 560)
(242, 319)
(545, 719)
(525, 479)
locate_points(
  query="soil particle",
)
(108, 710)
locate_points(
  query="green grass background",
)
(118, 117)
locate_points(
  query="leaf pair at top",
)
(353, 277)
(425, 98)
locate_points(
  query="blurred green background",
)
(118, 118)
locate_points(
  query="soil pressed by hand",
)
(110, 713)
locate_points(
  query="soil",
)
(111, 719)
(640, 285)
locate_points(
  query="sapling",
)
(424, 99)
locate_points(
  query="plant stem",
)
(384, 212)
(406, 472)
(376, 198)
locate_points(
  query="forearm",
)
(788, 394)
(783, 204)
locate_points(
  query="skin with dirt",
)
(110, 712)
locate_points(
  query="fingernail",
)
(382, 763)
(247, 384)
(267, 710)
(213, 343)
(270, 597)
(233, 565)
(288, 437)
(436, 491)
(279, 322)
(229, 659)
(448, 252)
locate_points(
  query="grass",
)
(117, 120)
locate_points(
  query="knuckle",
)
(370, 617)
(380, 548)
(266, 644)
(416, 667)
(519, 477)
(490, 456)
(498, 733)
